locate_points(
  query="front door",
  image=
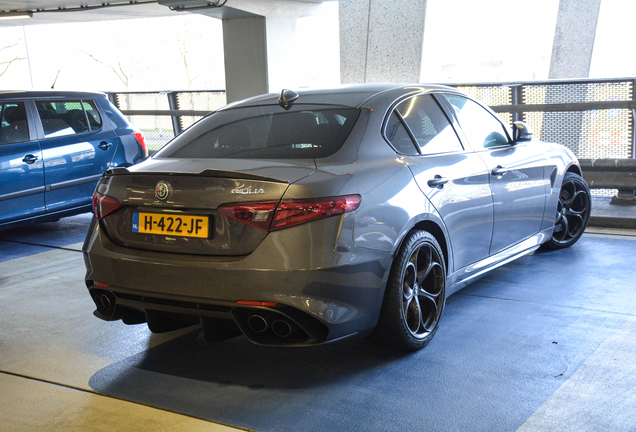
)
(516, 174)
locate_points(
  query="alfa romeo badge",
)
(162, 190)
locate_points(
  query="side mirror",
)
(521, 132)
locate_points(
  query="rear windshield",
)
(265, 133)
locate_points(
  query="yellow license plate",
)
(174, 225)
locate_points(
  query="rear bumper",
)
(337, 292)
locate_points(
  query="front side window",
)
(68, 117)
(14, 127)
(265, 133)
(429, 125)
(482, 129)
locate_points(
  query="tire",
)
(415, 293)
(573, 212)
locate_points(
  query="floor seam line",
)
(93, 392)
(546, 304)
(41, 245)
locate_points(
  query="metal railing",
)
(165, 114)
(593, 117)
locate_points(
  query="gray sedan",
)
(303, 218)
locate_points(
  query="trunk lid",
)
(169, 201)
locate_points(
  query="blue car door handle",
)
(29, 159)
(437, 182)
(104, 145)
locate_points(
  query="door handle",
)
(437, 182)
(499, 171)
(29, 159)
(104, 145)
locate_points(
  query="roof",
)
(349, 95)
(21, 94)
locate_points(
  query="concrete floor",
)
(507, 356)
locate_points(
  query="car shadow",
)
(238, 362)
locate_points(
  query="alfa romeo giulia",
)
(305, 217)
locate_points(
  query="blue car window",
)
(94, 120)
(14, 127)
(429, 125)
(62, 118)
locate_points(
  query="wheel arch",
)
(574, 168)
(436, 231)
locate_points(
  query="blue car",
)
(54, 147)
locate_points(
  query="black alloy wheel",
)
(415, 294)
(573, 212)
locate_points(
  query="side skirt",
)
(473, 272)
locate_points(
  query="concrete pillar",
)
(245, 52)
(574, 39)
(381, 40)
(260, 44)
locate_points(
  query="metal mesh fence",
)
(593, 134)
(199, 101)
(492, 96)
(590, 134)
(157, 130)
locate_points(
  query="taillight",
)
(295, 212)
(274, 216)
(103, 205)
(142, 141)
(258, 214)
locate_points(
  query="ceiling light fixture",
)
(16, 15)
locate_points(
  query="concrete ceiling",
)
(69, 11)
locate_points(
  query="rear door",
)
(455, 180)
(77, 146)
(21, 167)
(516, 174)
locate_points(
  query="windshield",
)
(266, 132)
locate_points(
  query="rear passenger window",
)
(68, 117)
(398, 136)
(94, 120)
(13, 127)
(429, 125)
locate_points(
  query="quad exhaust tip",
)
(257, 323)
(279, 327)
(104, 301)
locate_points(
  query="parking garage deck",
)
(544, 343)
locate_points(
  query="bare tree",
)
(124, 70)
(4, 65)
(183, 43)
